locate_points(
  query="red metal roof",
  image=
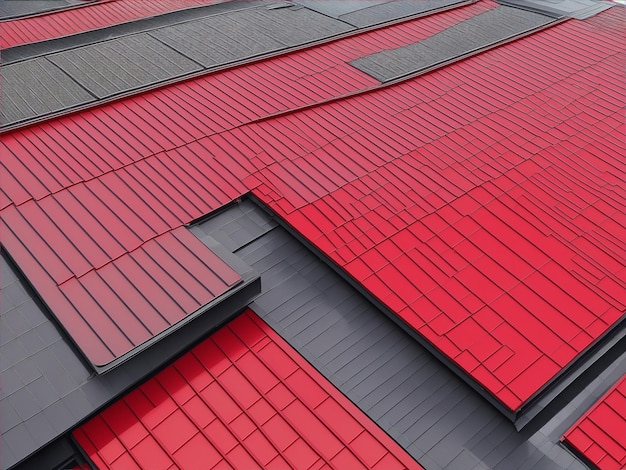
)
(241, 399)
(486, 211)
(111, 301)
(86, 17)
(600, 434)
(481, 202)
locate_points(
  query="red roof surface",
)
(600, 435)
(241, 399)
(481, 202)
(110, 298)
(86, 17)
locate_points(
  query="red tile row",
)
(241, 399)
(599, 435)
(86, 17)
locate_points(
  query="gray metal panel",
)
(579, 9)
(336, 9)
(390, 11)
(295, 26)
(436, 416)
(16, 9)
(243, 34)
(217, 40)
(36, 88)
(475, 33)
(123, 64)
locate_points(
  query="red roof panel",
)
(111, 308)
(251, 401)
(600, 434)
(528, 217)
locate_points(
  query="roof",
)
(98, 290)
(468, 185)
(494, 310)
(431, 412)
(599, 435)
(242, 398)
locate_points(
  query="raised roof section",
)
(243, 399)
(114, 307)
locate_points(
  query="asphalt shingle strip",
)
(388, 11)
(116, 66)
(37, 88)
(479, 32)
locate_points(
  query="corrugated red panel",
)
(241, 399)
(110, 308)
(86, 17)
(600, 434)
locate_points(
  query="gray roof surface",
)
(365, 13)
(430, 411)
(122, 64)
(393, 10)
(47, 388)
(478, 32)
(36, 88)
(579, 9)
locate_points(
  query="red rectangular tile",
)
(329, 429)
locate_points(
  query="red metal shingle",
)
(212, 414)
(600, 434)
